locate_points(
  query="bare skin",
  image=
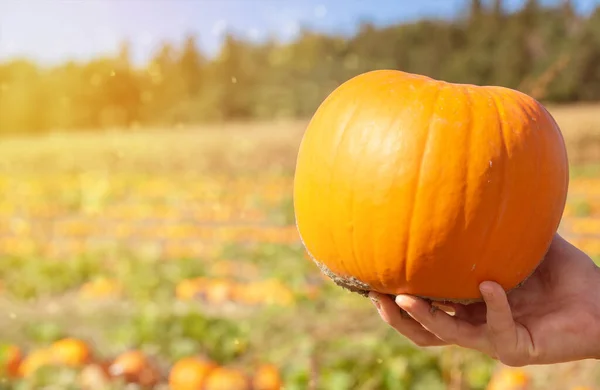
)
(554, 317)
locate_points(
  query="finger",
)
(405, 325)
(473, 313)
(501, 326)
(446, 327)
(449, 308)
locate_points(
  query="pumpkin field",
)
(150, 258)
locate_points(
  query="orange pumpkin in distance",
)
(11, 357)
(510, 379)
(71, 352)
(227, 378)
(190, 373)
(406, 184)
(267, 377)
(95, 376)
(34, 361)
(135, 367)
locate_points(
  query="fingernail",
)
(486, 289)
(401, 300)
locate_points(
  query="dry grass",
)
(221, 148)
(580, 125)
(235, 148)
(577, 119)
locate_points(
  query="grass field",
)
(181, 242)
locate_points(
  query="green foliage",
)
(172, 334)
(45, 277)
(283, 212)
(144, 278)
(590, 170)
(581, 208)
(336, 339)
(549, 52)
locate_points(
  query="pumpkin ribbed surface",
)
(406, 184)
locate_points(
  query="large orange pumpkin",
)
(406, 184)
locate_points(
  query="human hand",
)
(553, 317)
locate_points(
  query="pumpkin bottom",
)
(354, 285)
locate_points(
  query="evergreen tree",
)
(191, 64)
(548, 51)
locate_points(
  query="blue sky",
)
(52, 31)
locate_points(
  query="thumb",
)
(501, 326)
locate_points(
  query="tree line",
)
(550, 52)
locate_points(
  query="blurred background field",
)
(146, 205)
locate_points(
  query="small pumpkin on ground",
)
(190, 373)
(264, 292)
(219, 291)
(71, 352)
(406, 184)
(189, 289)
(95, 376)
(510, 379)
(267, 377)
(35, 360)
(11, 358)
(100, 288)
(227, 378)
(135, 367)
